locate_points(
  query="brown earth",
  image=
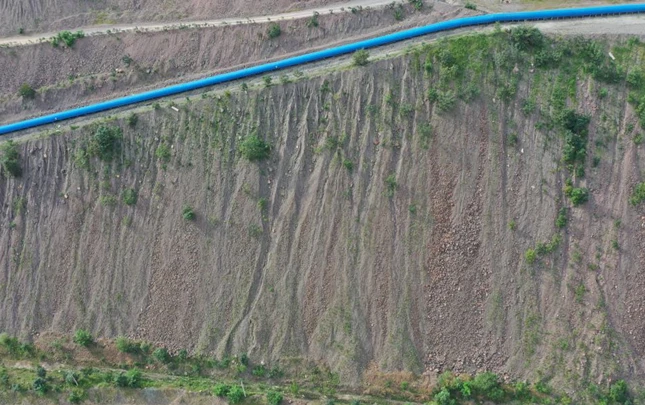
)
(48, 15)
(95, 69)
(406, 261)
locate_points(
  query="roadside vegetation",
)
(66, 37)
(237, 378)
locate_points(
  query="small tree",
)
(106, 142)
(274, 30)
(83, 338)
(26, 91)
(361, 57)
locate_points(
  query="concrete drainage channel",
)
(584, 12)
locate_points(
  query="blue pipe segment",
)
(324, 54)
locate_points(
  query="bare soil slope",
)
(381, 229)
(106, 66)
(47, 15)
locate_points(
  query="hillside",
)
(463, 206)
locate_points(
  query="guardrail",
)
(324, 54)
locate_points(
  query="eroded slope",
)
(390, 224)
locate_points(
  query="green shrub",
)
(129, 196)
(530, 255)
(163, 152)
(127, 60)
(15, 348)
(487, 386)
(40, 386)
(69, 38)
(83, 338)
(259, 371)
(41, 372)
(313, 21)
(417, 4)
(361, 57)
(161, 355)
(10, 158)
(561, 220)
(349, 165)
(526, 38)
(470, 6)
(390, 185)
(187, 213)
(106, 142)
(577, 195)
(425, 135)
(446, 100)
(26, 91)
(274, 30)
(253, 148)
(398, 12)
(443, 397)
(125, 345)
(618, 392)
(274, 397)
(130, 379)
(108, 200)
(132, 120)
(638, 195)
(76, 396)
(235, 395)
(221, 389)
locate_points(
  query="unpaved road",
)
(151, 27)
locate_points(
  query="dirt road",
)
(103, 29)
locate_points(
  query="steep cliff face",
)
(390, 224)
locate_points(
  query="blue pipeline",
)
(324, 54)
